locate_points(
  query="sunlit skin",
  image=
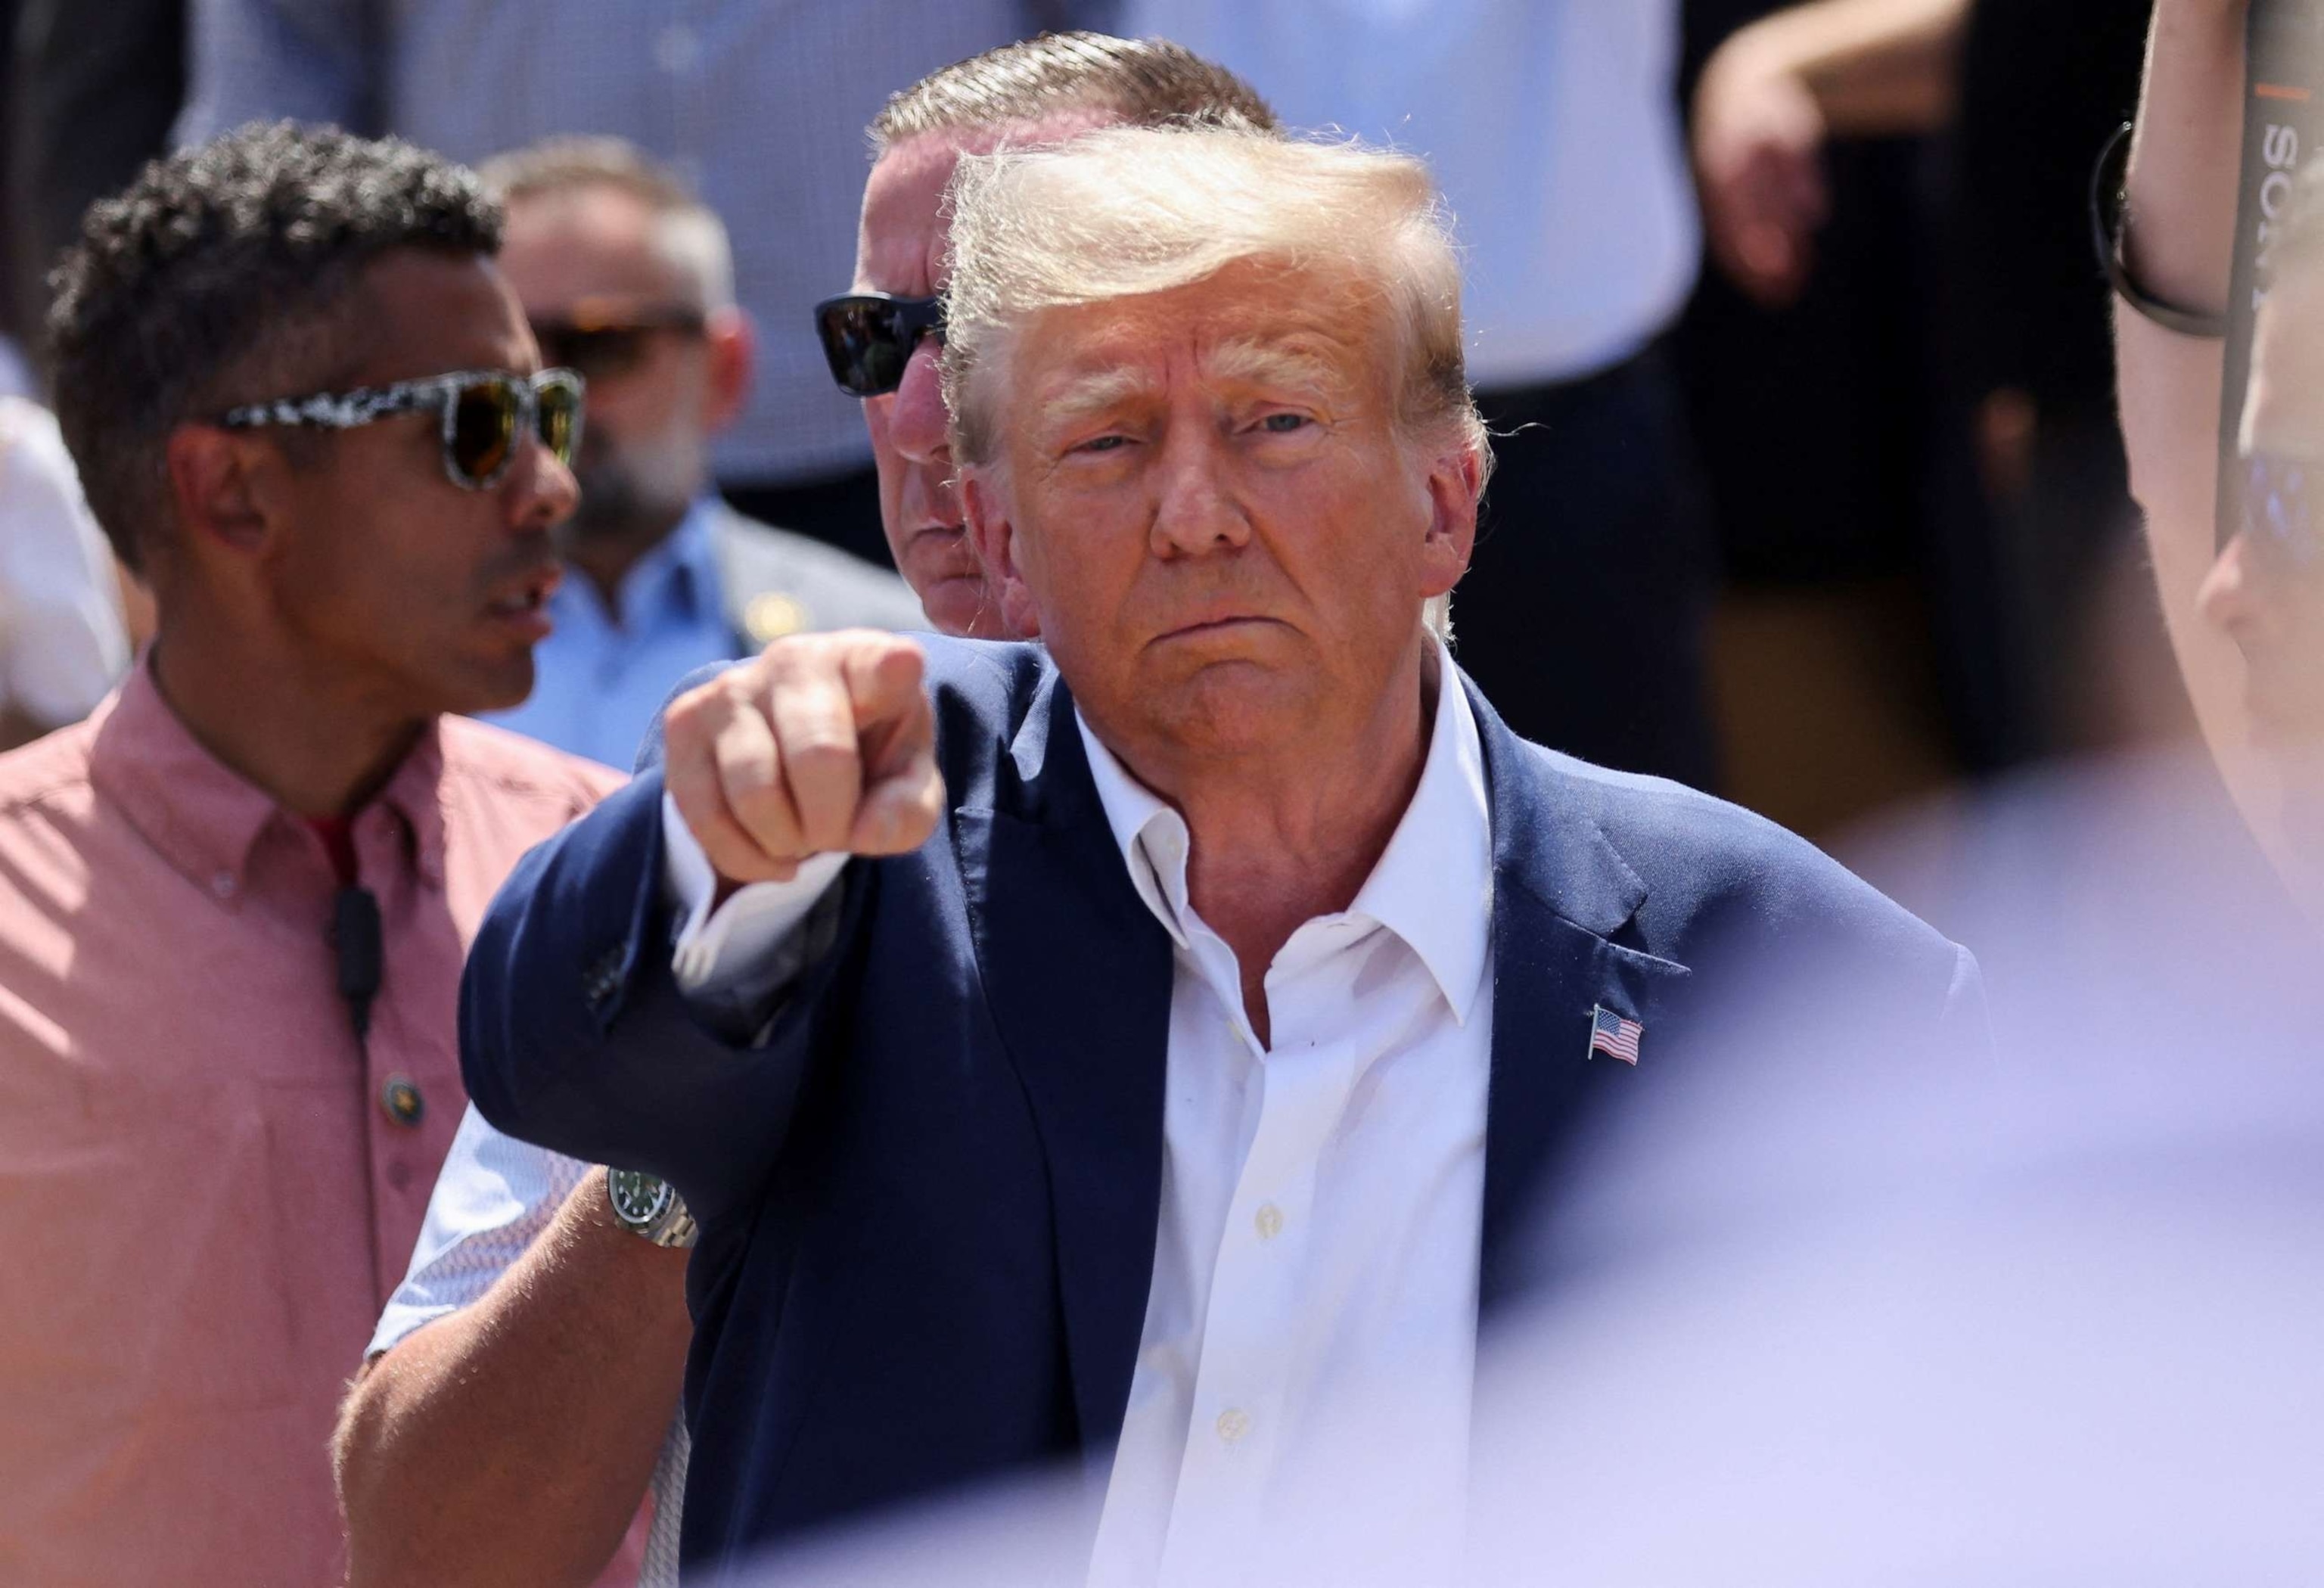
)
(900, 251)
(1204, 504)
(645, 452)
(2272, 609)
(344, 591)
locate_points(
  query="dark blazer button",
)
(401, 1101)
(604, 978)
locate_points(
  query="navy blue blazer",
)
(929, 1194)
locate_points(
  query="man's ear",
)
(221, 482)
(732, 338)
(1456, 481)
(984, 513)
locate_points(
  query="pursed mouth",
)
(1214, 626)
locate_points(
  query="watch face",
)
(640, 1199)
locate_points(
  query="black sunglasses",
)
(480, 414)
(868, 337)
(604, 344)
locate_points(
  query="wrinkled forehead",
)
(588, 242)
(899, 243)
(899, 246)
(1259, 323)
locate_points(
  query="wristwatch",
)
(647, 1206)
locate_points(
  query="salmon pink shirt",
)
(209, 1188)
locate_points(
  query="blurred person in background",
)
(627, 280)
(758, 107)
(1772, 95)
(88, 94)
(2055, 1330)
(1906, 403)
(2265, 591)
(62, 644)
(536, 1285)
(2247, 621)
(1554, 131)
(235, 902)
(1153, 1092)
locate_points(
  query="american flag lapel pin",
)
(1613, 1036)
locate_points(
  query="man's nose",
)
(540, 490)
(2226, 599)
(1194, 512)
(916, 424)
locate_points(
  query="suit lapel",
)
(1077, 976)
(1560, 891)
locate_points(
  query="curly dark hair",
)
(222, 275)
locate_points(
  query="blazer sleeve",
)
(574, 1034)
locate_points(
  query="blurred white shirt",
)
(16, 375)
(63, 643)
(1552, 126)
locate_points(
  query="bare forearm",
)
(1875, 67)
(2179, 244)
(510, 1444)
(2186, 151)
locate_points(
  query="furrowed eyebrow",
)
(1087, 396)
(1270, 364)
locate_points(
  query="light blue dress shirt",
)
(601, 676)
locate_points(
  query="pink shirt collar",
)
(202, 817)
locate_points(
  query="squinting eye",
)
(1284, 424)
(1100, 444)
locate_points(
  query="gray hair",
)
(688, 234)
(1132, 211)
(1145, 82)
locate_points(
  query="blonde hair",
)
(1132, 211)
(1127, 212)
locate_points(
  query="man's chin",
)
(490, 685)
(1229, 705)
(961, 606)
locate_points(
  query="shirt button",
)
(1234, 1424)
(401, 1101)
(1270, 1220)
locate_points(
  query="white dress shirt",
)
(1301, 1391)
(62, 646)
